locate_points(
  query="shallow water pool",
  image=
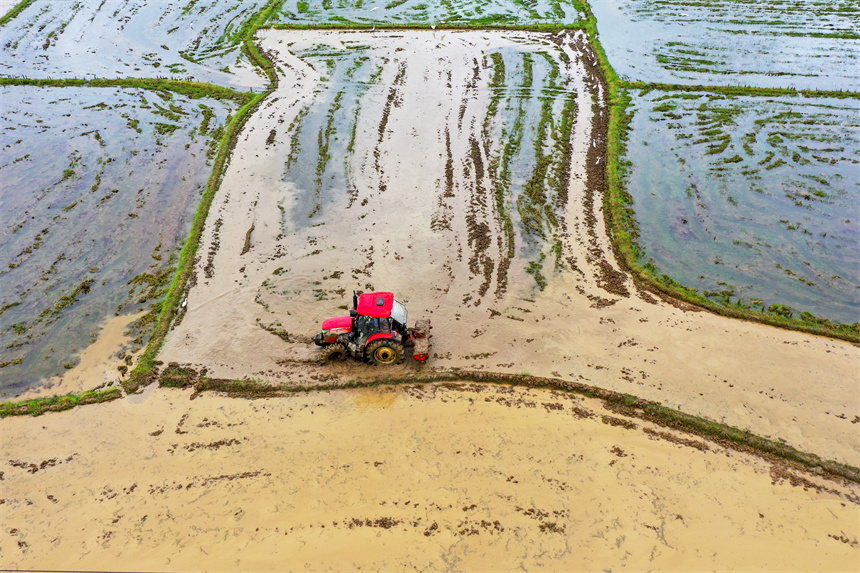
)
(751, 198)
(98, 187)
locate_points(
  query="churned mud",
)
(377, 164)
(453, 477)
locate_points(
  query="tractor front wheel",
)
(385, 351)
(333, 353)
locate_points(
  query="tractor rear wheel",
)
(333, 353)
(384, 352)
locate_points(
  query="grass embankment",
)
(621, 222)
(175, 376)
(191, 89)
(741, 90)
(20, 7)
(58, 403)
(382, 27)
(145, 370)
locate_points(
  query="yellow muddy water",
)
(454, 477)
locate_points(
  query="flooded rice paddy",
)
(785, 43)
(455, 169)
(99, 187)
(751, 198)
(482, 12)
(189, 39)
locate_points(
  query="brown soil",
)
(434, 477)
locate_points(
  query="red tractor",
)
(375, 330)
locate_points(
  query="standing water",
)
(98, 190)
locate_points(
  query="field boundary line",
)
(627, 405)
(39, 406)
(740, 90)
(175, 376)
(193, 89)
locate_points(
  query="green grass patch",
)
(738, 90)
(20, 7)
(39, 406)
(194, 90)
(68, 300)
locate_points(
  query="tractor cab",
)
(375, 330)
(377, 315)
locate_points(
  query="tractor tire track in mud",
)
(609, 278)
(392, 100)
(480, 233)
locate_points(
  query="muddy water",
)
(99, 187)
(282, 250)
(441, 478)
(752, 197)
(510, 12)
(804, 45)
(98, 364)
(122, 39)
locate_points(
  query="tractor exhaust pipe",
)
(354, 300)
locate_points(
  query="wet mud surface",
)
(336, 184)
(442, 477)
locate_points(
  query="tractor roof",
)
(378, 304)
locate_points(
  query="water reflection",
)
(724, 42)
(752, 198)
(98, 190)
